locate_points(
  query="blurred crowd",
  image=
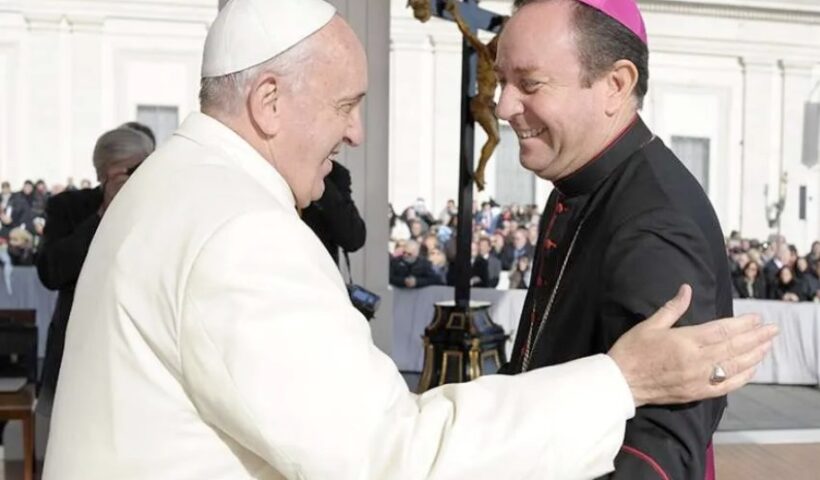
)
(23, 218)
(423, 250)
(423, 245)
(774, 270)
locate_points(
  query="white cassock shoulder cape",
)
(212, 339)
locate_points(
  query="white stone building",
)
(728, 83)
(71, 69)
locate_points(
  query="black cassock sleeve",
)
(648, 259)
(65, 245)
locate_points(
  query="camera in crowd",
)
(364, 300)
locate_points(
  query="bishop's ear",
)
(620, 84)
(264, 104)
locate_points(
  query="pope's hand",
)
(665, 365)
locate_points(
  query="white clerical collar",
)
(215, 135)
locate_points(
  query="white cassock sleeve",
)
(275, 357)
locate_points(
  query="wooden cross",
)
(477, 19)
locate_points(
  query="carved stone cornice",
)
(190, 11)
(86, 23)
(42, 22)
(410, 42)
(789, 13)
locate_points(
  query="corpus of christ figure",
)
(482, 105)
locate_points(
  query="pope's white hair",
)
(227, 93)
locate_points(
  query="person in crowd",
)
(813, 282)
(423, 213)
(21, 247)
(750, 283)
(493, 264)
(736, 261)
(485, 218)
(17, 210)
(233, 351)
(145, 129)
(449, 211)
(73, 219)
(417, 230)
(409, 215)
(439, 262)
(56, 189)
(70, 186)
(39, 224)
(520, 276)
(814, 252)
(429, 243)
(5, 194)
(501, 251)
(479, 269)
(787, 287)
(39, 199)
(398, 227)
(398, 249)
(772, 268)
(504, 226)
(451, 244)
(793, 255)
(27, 193)
(521, 246)
(755, 256)
(412, 270)
(443, 233)
(514, 226)
(768, 251)
(532, 235)
(85, 184)
(803, 275)
(334, 218)
(5, 209)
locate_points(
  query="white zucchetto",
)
(249, 32)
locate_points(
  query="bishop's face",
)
(559, 120)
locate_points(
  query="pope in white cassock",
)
(212, 337)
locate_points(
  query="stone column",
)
(86, 77)
(797, 84)
(761, 152)
(446, 127)
(411, 117)
(45, 146)
(368, 164)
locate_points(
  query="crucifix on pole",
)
(474, 18)
(462, 342)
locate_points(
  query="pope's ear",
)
(263, 104)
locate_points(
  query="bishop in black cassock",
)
(618, 238)
(626, 224)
